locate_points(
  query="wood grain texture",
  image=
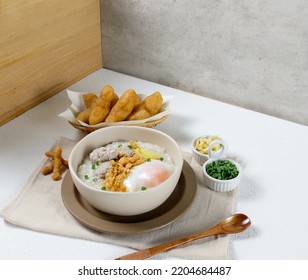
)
(45, 46)
(233, 224)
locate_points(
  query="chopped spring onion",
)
(222, 170)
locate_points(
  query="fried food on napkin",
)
(89, 99)
(56, 162)
(150, 106)
(139, 113)
(103, 105)
(109, 107)
(83, 116)
(123, 108)
(153, 103)
(108, 95)
(97, 107)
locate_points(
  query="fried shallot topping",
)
(119, 171)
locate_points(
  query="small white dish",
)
(216, 184)
(221, 185)
(201, 158)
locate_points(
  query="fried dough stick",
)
(149, 107)
(97, 108)
(89, 100)
(125, 105)
(102, 105)
(56, 162)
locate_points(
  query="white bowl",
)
(222, 185)
(129, 203)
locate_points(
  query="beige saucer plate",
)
(173, 208)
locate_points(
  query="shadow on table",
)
(251, 233)
(248, 190)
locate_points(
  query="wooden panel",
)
(45, 46)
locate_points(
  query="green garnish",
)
(161, 159)
(129, 146)
(148, 159)
(143, 188)
(86, 177)
(103, 188)
(94, 165)
(119, 146)
(94, 180)
(222, 170)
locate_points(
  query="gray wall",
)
(251, 53)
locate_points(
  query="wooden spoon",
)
(233, 224)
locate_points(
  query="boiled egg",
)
(148, 175)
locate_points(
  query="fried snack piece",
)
(150, 106)
(153, 103)
(89, 99)
(97, 107)
(97, 114)
(56, 163)
(103, 105)
(114, 101)
(83, 116)
(107, 93)
(123, 107)
(139, 113)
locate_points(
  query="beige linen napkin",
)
(39, 207)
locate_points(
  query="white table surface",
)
(274, 191)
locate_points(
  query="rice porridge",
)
(126, 166)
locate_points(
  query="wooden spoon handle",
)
(149, 252)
